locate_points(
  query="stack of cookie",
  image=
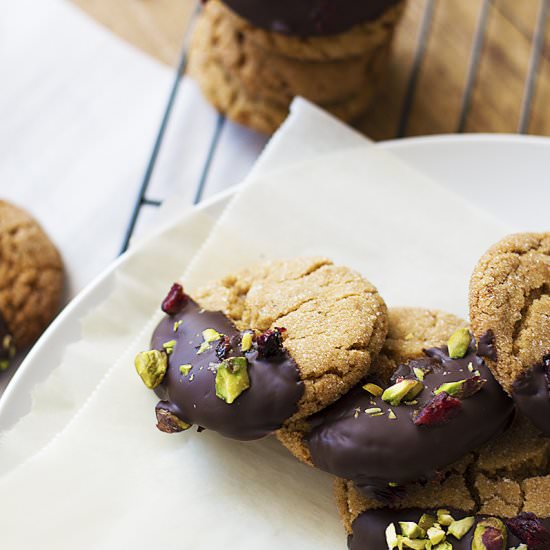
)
(438, 435)
(251, 58)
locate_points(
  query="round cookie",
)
(436, 410)
(265, 346)
(356, 40)
(510, 296)
(279, 78)
(31, 280)
(508, 479)
(254, 102)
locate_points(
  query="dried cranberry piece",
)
(175, 300)
(438, 411)
(270, 343)
(492, 538)
(530, 530)
(223, 348)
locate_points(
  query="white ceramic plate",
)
(509, 176)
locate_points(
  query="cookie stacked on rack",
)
(436, 433)
(251, 58)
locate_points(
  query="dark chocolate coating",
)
(309, 17)
(531, 393)
(275, 385)
(369, 529)
(374, 451)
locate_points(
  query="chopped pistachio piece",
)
(461, 526)
(373, 389)
(458, 343)
(246, 342)
(203, 347)
(435, 535)
(471, 366)
(184, 369)
(391, 415)
(177, 325)
(393, 484)
(4, 364)
(452, 388)
(168, 422)
(232, 378)
(426, 521)
(391, 536)
(373, 410)
(169, 346)
(405, 390)
(490, 534)
(419, 373)
(151, 366)
(445, 545)
(415, 544)
(410, 529)
(210, 335)
(444, 517)
(520, 547)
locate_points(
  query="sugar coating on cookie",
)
(384, 437)
(31, 279)
(269, 344)
(510, 296)
(496, 483)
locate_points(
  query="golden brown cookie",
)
(440, 404)
(335, 320)
(410, 331)
(360, 40)
(31, 279)
(276, 77)
(254, 85)
(508, 478)
(510, 296)
(262, 347)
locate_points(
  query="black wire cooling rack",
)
(537, 46)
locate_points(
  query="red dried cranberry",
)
(530, 530)
(438, 411)
(223, 348)
(492, 538)
(270, 343)
(175, 300)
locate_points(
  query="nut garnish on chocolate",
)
(439, 419)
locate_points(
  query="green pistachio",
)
(391, 415)
(405, 390)
(203, 347)
(391, 536)
(436, 535)
(373, 389)
(373, 410)
(210, 335)
(4, 364)
(232, 378)
(406, 542)
(151, 366)
(458, 343)
(177, 325)
(169, 346)
(444, 517)
(426, 521)
(460, 527)
(445, 545)
(246, 341)
(169, 423)
(393, 484)
(419, 373)
(490, 534)
(520, 547)
(411, 529)
(184, 369)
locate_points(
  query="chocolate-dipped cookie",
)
(436, 408)
(497, 496)
(270, 344)
(31, 280)
(510, 296)
(251, 74)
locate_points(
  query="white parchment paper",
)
(109, 480)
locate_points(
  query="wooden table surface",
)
(457, 65)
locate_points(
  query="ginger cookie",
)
(510, 296)
(440, 404)
(504, 487)
(270, 344)
(31, 280)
